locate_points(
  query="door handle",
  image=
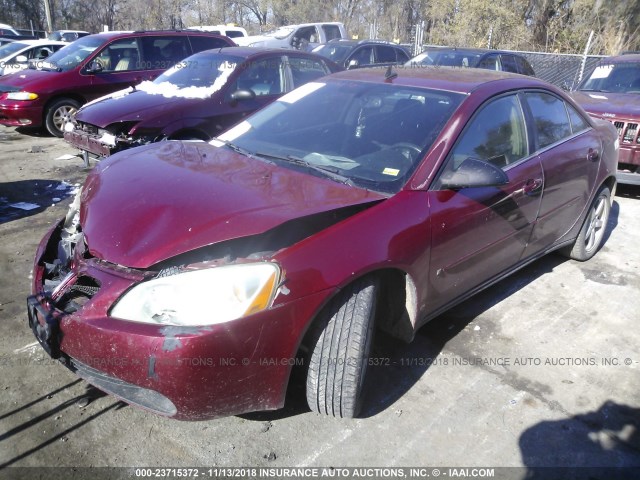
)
(533, 187)
(593, 155)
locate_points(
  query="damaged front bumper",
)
(187, 373)
(102, 143)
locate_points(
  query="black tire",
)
(592, 233)
(340, 349)
(58, 113)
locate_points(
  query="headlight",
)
(201, 297)
(21, 96)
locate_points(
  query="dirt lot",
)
(543, 369)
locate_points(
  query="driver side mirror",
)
(242, 95)
(22, 59)
(353, 64)
(471, 173)
(94, 67)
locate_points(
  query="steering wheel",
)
(408, 150)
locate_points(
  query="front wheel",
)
(592, 232)
(59, 113)
(340, 351)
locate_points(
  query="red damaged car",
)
(197, 99)
(188, 278)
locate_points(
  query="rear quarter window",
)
(198, 44)
(509, 64)
(331, 32)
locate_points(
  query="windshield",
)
(198, 76)
(72, 55)
(445, 58)
(368, 135)
(280, 33)
(11, 48)
(337, 53)
(619, 78)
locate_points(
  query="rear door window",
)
(163, 52)
(385, 54)
(550, 118)
(491, 62)
(304, 70)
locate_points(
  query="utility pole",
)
(47, 10)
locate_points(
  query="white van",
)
(304, 36)
(226, 30)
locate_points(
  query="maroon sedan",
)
(196, 100)
(189, 278)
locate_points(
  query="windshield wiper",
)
(327, 171)
(234, 147)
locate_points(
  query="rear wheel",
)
(592, 232)
(58, 113)
(340, 351)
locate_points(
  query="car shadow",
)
(34, 132)
(604, 443)
(397, 366)
(25, 198)
(91, 393)
(628, 191)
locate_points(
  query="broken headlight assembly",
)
(231, 291)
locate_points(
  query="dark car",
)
(473, 58)
(612, 92)
(363, 53)
(196, 100)
(92, 67)
(67, 35)
(190, 278)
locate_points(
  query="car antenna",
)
(390, 74)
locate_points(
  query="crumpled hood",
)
(609, 105)
(134, 106)
(149, 204)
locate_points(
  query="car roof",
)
(479, 51)
(453, 79)
(115, 34)
(346, 41)
(248, 52)
(627, 58)
(40, 41)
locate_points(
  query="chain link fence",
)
(562, 70)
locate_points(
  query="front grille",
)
(88, 128)
(627, 132)
(78, 294)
